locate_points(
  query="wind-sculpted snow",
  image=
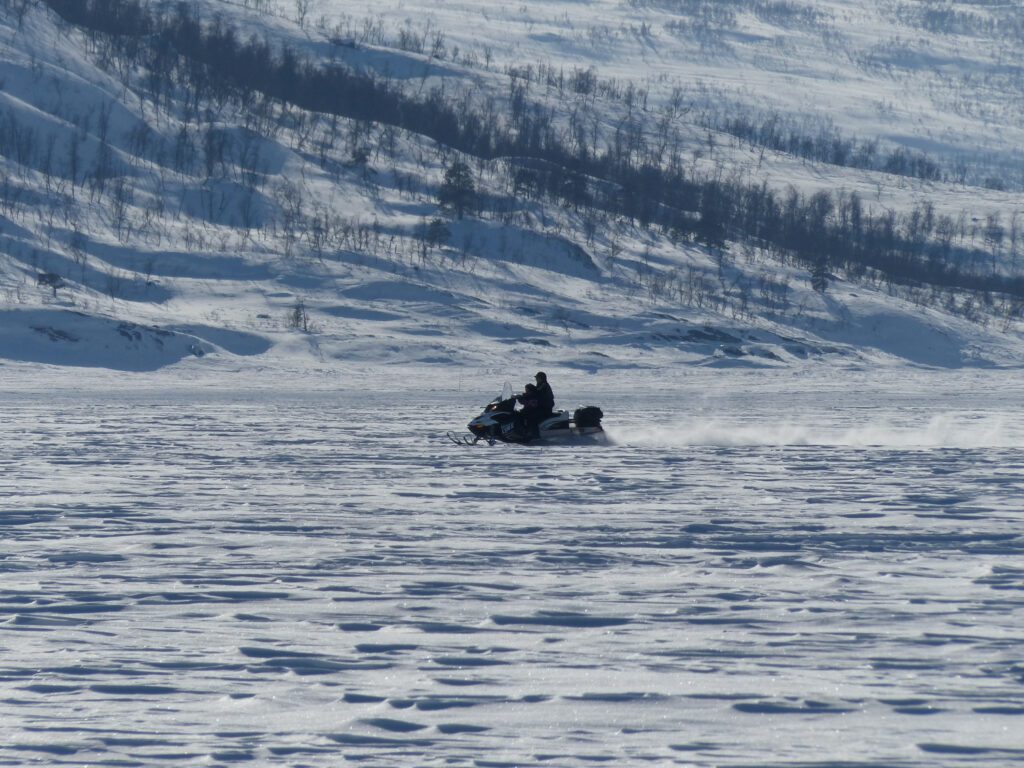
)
(216, 577)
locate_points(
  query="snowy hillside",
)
(157, 206)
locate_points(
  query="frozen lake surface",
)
(772, 573)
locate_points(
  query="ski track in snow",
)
(204, 580)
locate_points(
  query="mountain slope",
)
(157, 207)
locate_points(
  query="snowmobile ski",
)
(463, 439)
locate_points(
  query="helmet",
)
(541, 377)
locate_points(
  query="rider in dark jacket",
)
(538, 404)
(545, 397)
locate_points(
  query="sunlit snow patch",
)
(64, 337)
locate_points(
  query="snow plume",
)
(941, 431)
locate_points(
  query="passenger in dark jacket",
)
(531, 412)
(529, 398)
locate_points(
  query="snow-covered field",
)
(807, 566)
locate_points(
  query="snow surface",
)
(229, 540)
(766, 568)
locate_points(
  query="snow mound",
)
(66, 337)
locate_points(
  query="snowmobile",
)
(500, 422)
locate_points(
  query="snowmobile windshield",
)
(506, 392)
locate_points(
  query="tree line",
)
(621, 174)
